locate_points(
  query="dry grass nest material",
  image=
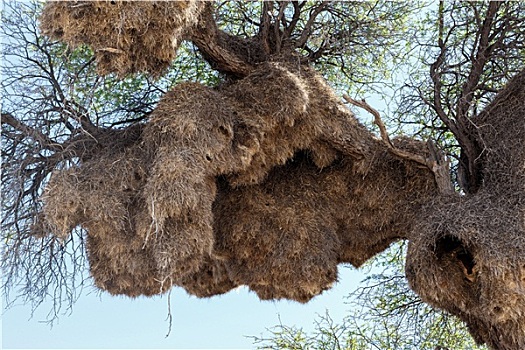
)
(127, 36)
(269, 182)
(102, 196)
(285, 237)
(468, 256)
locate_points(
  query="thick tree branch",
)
(470, 167)
(218, 48)
(297, 7)
(307, 30)
(276, 27)
(481, 57)
(456, 118)
(264, 28)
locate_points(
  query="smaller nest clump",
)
(468, 255)
(97, 191)
(127, 256)
(103, 197)
(126, 36)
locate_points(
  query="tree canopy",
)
(206, 145)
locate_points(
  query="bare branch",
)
(308, 26)
(435, 74)
(264, 28)
(38, 136)
(377, 118)
(276, 29)
(297, 7)
(481, 57)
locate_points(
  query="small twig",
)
(170, 315)
(111, 50)
(79, 5)
(377, 118)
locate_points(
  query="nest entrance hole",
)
(450, 246)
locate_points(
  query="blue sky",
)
(224, 322)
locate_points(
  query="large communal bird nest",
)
(268, 182)
(127, 36)
(468, 255)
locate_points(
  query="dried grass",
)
(103, 196)
(285, 237)
(212, 279)
(190, 135)
(285, 108)
(127, 36)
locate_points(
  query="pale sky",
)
(222, 322)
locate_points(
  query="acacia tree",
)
(267, 179)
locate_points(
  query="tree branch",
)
(42, 139)
(295, 18)
(218, 48)
(482, 56)
(377, 118)
(276, 28)
(435, 74)
(308, 26)
(436, 162)
(264, 28)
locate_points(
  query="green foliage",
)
(326, 335)
(357, 43)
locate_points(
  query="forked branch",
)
(26, 130)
